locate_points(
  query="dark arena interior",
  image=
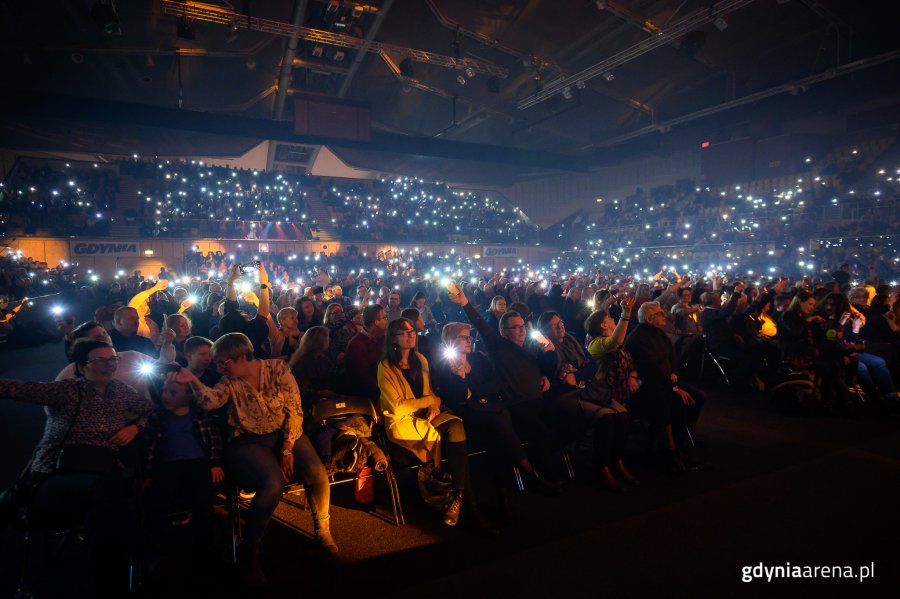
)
(449, 298)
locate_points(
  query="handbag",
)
(599, 394)
(79, 458)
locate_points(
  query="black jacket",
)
(519, 369)
(653, 355)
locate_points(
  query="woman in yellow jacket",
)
(414, 421)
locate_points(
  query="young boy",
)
(184, 461)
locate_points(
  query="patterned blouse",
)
(100, 417)
(276, 406)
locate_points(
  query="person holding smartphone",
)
(523, 371)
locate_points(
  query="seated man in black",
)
(124, 334)
(670, 406)
(522, 372)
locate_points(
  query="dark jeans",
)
(495, 431)
(528, 421)
(254, 461)
(661, 406)
(610, 438)
(184, 483)
(456, 452)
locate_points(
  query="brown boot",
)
(324, 539)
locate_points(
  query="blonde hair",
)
(452, 330)
(232, 346)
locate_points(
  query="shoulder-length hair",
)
(392, 350)
(313, 340)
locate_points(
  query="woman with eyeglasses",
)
(93, 415)
(468, 384)
(415, 422)
(267, 447)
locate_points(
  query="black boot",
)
(478, 520)
(540, 485)
(249, 565)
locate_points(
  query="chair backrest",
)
(342, 405)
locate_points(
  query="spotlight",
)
(460, 79)
(608, 75)
(470, 72)
(721, 24)
(567, 93)
(580, 85)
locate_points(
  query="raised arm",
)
(484, 329)
(139, 299)
(621, 329)
(233, 275)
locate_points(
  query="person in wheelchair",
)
(415, 421)
(266, 421)
(76, 474)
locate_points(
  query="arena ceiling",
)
(586, 79)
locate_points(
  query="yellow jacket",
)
(404, 412)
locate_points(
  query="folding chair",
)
(330, 410)
(706, 354)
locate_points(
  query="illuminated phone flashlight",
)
(245, 287)
(56, 310)
(192, 299)
(536, 335)
(146, 368)
(590, 303)
(451, 353)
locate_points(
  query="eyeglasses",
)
(464, 338)
(104, 361)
